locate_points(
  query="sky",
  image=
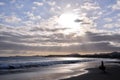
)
(53, 27)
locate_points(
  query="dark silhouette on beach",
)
(102, 67)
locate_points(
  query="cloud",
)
(12, 19)
(90, 6)
(68, 5)
(32, 39)
(78, 20)
(38, 3)
(116, 44)
(82, 22)
(19, 6)
(117, 5)
(13, 1)
(51, 3)
(31, 16)
(2, 3)
(47, 29)
(108, 19)
(98, 37)
(114, 25)
(34, 8)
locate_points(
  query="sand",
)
(112, 73)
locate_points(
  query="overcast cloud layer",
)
(31, 27)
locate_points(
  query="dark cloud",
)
(78, 20)
(94, 47)
(81, 21)
(103, 37)
(47, 29)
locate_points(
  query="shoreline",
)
(112, 73)
(78, 71)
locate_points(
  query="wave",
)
(37, 64)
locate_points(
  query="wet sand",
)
(112, 73)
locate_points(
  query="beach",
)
(58, 68)
(112, 73)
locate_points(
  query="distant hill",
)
(99, 55)
(104, 55)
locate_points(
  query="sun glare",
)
(67, 20)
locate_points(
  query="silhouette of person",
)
(102, 67)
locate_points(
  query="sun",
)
(68, 20)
